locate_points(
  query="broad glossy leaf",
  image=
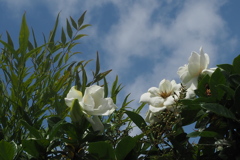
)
(204, 134)
(216, 79)
(102, 150)
(189, 114)
(226, 67)
(137, 119)
(8, 150)
(236, 64)
(219, 110)
(237, 100)
(124, 147)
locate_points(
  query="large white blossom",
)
(92, 104)
(197, 65)
(162, 97)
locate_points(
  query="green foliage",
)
(35, 122)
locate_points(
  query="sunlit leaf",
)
(23, 35)
(8, 150)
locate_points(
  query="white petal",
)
(194, 58)
(87, 103)
(165, 86)
(204, 60)
(154, 91)
(156, 109)
(96, 123)
(156, 101)
(194, 69)
(151, 117)
(73, 94)
(145, 98)
(209, 71)
(170, 101)
(106, 108)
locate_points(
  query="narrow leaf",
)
(63, 37)
(81, 19)
(23, 35)
(69, 29)
(74, 24)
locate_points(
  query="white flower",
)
(92, 103)
(162, 97)
(197, 64)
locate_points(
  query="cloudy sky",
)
(143, 41)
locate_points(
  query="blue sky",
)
(143, 41)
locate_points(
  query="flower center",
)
(165, 94)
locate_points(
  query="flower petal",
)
(204, 60)
(106, 108)
(156, 109)
(96, 123)
(145, 98)
(165, 86)
(73, 94)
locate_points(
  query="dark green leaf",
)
(219, 110)
(85, 26)
(53, 33)
(189, 114)
(137, 119)
(10, 42)
(33, 131)
(216, 79)
(237, 100)
(204, 134)
(8, 150)
(124, 147)
(236, 64)
(234, 80)
(69, 29)
(226, 67)
(74, 24)
(81, 19)
(102, 150)
(63, 37)
(97, 65)
(24, 35)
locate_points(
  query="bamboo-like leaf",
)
(97, 65)
(74, 24)
(85, 26)
(63, 37)
(33, 131)
(10, 42)
(23, 35)
(69, 29)
(81, 19)
(79, 36)
(53, 33)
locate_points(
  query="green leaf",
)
(137, 119)
(81, 19)
(234, 80)
(85, 26)
(24, 35)
(79, 36)
(8, 150)
(33, 131)
(97, 65)
(216, 79)
(53, 33)
(219, 110)
(74, 24)
(124, 147)
(236, 64)
(201, 90)
(63, 37)
(237, 100)
(10, 42)
(204, 134)
(189, 114)
(226, 67)
(69, 29)
(102, 150)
